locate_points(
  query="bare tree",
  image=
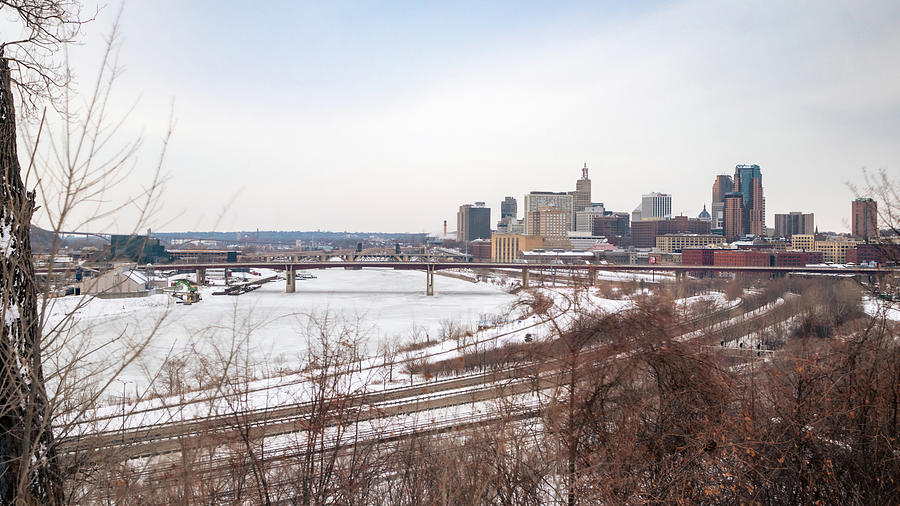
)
(77, 167)
(37, 71)
(29, 469)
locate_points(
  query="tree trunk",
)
(29, 469)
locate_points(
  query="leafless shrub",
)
(826, 306)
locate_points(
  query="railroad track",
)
(239, 428)
(285, 454)
(164, 438)
(202, 399)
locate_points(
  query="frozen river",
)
(272, 327)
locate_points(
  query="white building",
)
(718, 215)
(516, 226)
(584, 219)
(582, 241)
(636, 214)
(656, 205)
(121, 280)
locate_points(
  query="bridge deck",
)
(422, 265)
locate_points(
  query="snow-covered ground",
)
(602, 275)
(714, 298)
(875, 307)
(372, 373)
(271, 325)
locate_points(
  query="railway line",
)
(162, 438)
(286, 453)
(181, 404)
(283, 436)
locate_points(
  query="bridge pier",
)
(880, 279)
(592, 276)
(201, 276)
(429, 279)
(291, 281)
(524, 278)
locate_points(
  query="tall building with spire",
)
(582, 197)
(748, 182)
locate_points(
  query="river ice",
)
(271, 326)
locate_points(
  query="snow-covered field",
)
(271, 324)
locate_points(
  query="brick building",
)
(481, 250)
(865, 218)
(749, 258)
(741, 258)
(610, 225)
(644, 232)
(733, 216)
(700, 256)
(865, 253)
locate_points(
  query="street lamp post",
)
(123, 382)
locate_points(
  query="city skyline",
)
(373, 111)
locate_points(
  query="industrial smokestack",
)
(445, 229)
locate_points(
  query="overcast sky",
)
(386, 116)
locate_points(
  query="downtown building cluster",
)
(569, 226)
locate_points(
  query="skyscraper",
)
(748, 182)
(656, 205)
(733, 216)
(584, 219)
(865, 218)
(582, 191)
(551, 223)
(787, 225)
(721, 186)
(508, 208)
(536, 200)
(473, 222)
